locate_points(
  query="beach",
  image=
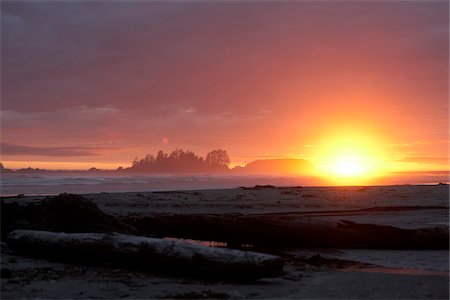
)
(224, 150)
(393, 243)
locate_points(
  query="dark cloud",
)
(218, 73)
(13, 149)
(147, 54)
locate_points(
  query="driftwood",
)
(146, 253)
(289, 231)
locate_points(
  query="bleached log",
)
(146, 253)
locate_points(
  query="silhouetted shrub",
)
(182, 161)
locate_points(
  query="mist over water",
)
(50, 184)
(13, 184)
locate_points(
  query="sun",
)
(348, 166)
(349, 159)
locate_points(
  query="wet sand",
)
(325, 272)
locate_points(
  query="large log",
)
(150, 254)
(289, 231)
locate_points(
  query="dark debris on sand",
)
(63, 213)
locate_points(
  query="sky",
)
(98, 83)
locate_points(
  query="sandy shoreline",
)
(327, 273)
(42, 279)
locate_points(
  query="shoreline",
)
(266, 199)
(31, 184)
(21, 195)
(265, 219)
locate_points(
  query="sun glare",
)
(348, 166)
(351, 159)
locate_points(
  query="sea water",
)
(52, 183)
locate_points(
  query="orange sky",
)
(99, 83)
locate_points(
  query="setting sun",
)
(349, 159)
(348, 166)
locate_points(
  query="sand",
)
(335, 274)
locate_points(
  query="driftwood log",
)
(289, 231)
(151, 254)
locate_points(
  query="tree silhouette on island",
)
(180, 161)
(216, 161)
(186, 161)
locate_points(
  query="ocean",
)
(51, 184)
(48, 183)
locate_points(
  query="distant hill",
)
(289, 166)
